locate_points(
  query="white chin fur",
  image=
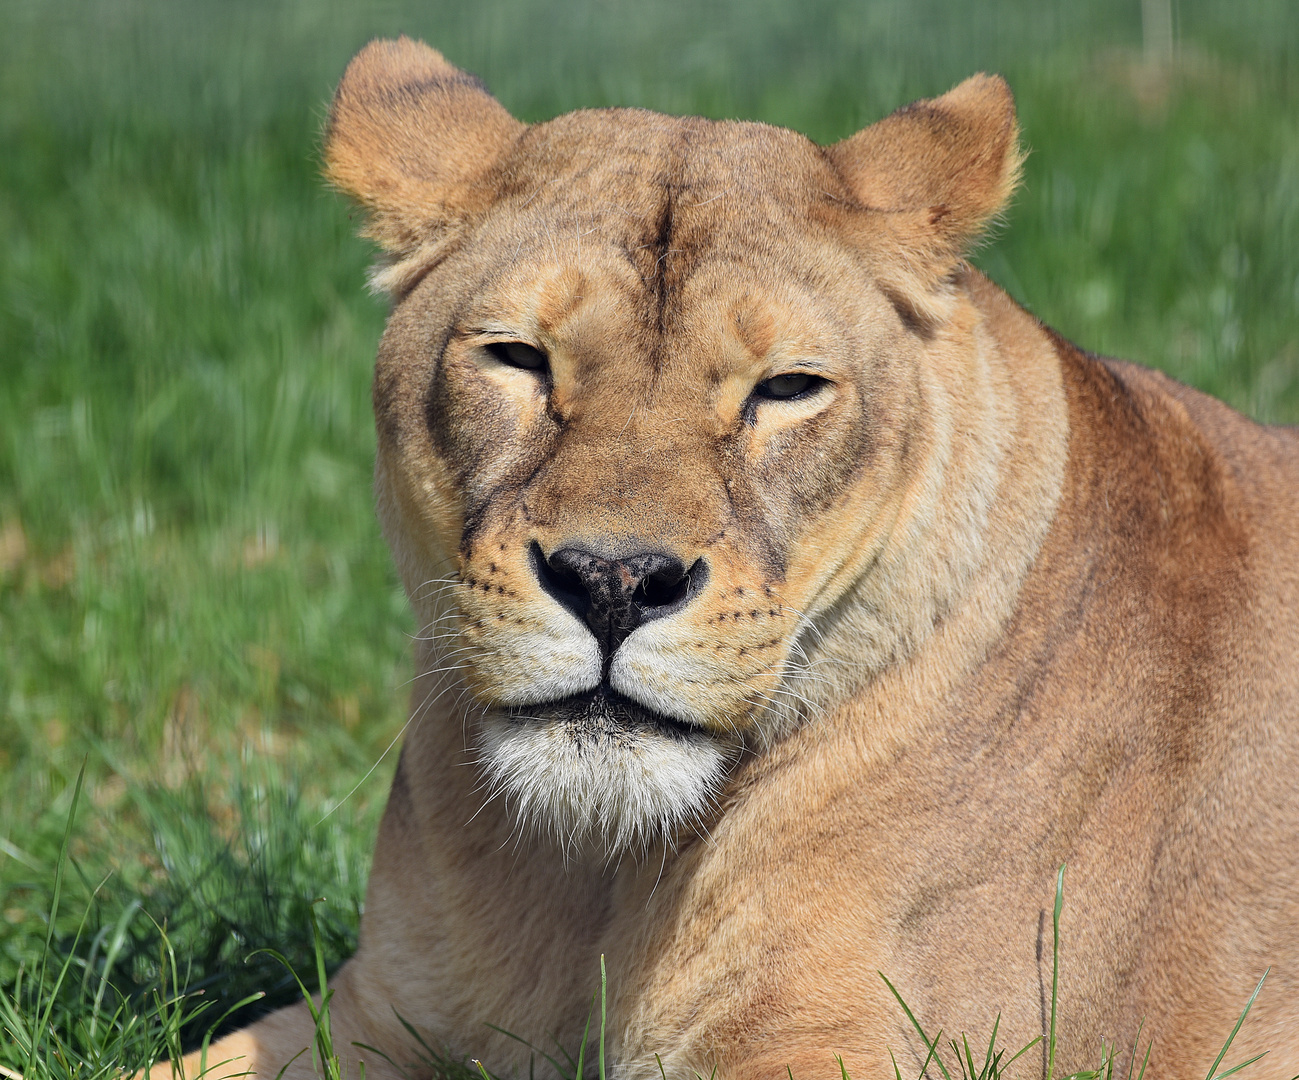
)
(610, 793)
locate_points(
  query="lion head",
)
(684, 427)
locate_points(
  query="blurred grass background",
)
(194, 597)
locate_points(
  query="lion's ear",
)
(932, 174)
(411, 137)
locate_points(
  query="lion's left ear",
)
(930, 176)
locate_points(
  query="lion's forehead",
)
(665, 192)
(643, 156)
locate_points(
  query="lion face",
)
(653, 400)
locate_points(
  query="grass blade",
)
(1231, 1038)
(989, 1058)
(536, 1050)
(285, 1068)
(60, 866)
(603, 987)
(207, 1039)
(1022, 1051)
(379, 1053)
(1237, 1068)
(1142, 1074)
(111, 954)
(1055, 968)
(931, 1046)
(581, 1050)
(1136, 1049)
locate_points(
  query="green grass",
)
(67, 1019)
(995, 1064)
(195, 601)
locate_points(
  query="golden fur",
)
(968, 605)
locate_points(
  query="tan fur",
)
(979, 605)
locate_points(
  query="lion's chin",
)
(600, 774)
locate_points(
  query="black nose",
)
(614, 596)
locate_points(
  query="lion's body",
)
(970, 605)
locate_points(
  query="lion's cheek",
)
(421, 514)
(529, 654)
(718, 685)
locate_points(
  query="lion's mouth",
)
(602, 715)
(599, 768)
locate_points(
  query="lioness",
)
(794, 605)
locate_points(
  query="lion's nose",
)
(614, 596)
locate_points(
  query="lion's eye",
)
(518, 355)
(797, 384)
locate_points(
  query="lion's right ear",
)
(412, 137)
